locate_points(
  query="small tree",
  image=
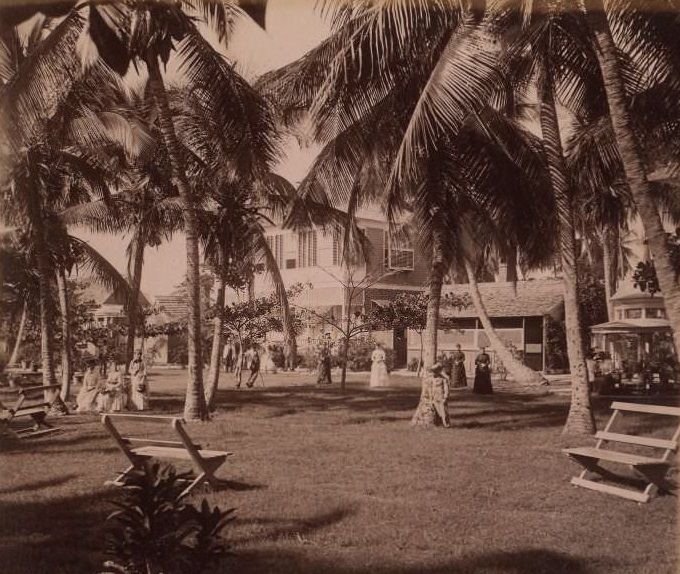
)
(409, 311)
(251, 320)
(354, 320)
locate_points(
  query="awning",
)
(632, 326)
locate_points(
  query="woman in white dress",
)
(139, 389)
(87, 399)
(114, 398)
(379, 376)
(268, 365)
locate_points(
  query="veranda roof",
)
(631, 326)
(533, 298)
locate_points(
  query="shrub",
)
(154, 532)
(413, 364)
(360, 351)
(276, 353)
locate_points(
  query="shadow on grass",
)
(283, 528)
(529, 561)
(38, 484)
(241, 486)
(59, 535)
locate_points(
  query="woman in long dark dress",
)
(458, 375)
(482, 384)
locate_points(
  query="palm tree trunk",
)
(609, 237)
(45, 277)
(521, 373)
(20, 335)
(133, 304)
(216, 352)
(425, 412)
(634, 168)
(66, 341)
(251, 288)
(511, 262)
(580, 419)
(194, 404)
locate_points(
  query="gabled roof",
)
(92, 291)
(172, 306)
(628, 292)
(533, 298)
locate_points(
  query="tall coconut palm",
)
(148, 33)
(50, 170)
(423, 85)
(653, 37)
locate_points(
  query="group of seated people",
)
(111, 393)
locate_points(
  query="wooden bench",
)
(139, 451)
(652, 468)
(37, 411)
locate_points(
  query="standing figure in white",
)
(379, 375)
(139, 388)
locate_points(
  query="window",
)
(633, 313)
(275, 243)
(307, 249)
(337, 248)
(655, 313)
(398, 252)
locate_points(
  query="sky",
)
(293, 27)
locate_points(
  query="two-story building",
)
(519, 310)
(315, 258)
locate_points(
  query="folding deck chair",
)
(140, 451)
(36, 411)
(652, 469)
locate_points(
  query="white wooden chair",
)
(652, 468)
(139, 451)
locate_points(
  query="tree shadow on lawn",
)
(528, 561)
(283, 528)
(38, 484)
(56, 535)
(502, 411)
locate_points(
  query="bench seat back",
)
(669, 446)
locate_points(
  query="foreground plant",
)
(155, 532)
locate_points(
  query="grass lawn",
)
(325, 482)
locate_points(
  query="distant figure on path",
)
(139, 391)
(228, 356)
(254, 366)
(482, 384)
(439, 391)
(86, 400)
(458, 375)
(268, 365)
(288, 363)
(379, 375)
(324, 365)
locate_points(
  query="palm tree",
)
(653, 37)
(148, 33)
(50, 171)
(409, 106)
(540, 52)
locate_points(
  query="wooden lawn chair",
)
(36, 411)
(140, 451)
(652, 469)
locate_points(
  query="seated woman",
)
(114, 397)
(87, 397)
